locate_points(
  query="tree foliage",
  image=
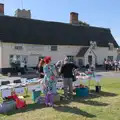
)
(83, 23)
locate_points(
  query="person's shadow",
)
(29, 107)
(93, 103)
(73, 110)
(102, 93)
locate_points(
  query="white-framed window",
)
(17, 59)
(110, 58)
(18, 47)
(14, 60)
(71, 58)
(54, 48)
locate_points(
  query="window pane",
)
(18, 47)
(110, 58)
(54, 48)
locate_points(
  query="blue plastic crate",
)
(82, 92)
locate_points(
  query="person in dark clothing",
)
(67, 72)
(87, 66)
(106, 65)
(40, 68)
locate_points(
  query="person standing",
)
(49, 81)
(119, 65)
(92, 68)
(116, 65)
(106, 65)
(22, 66)
(40, 68)
(67, 72)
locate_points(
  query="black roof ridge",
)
(31, 19)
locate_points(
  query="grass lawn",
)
(102, 106)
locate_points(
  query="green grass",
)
(102, 106)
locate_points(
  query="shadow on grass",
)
(74, 110)
(63, 102)
(104, 94)
(29, 107)
(94, 103)
(84, 100)
(88, 100)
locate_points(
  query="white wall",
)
(77, 61)
(104, 52)
(63, 51)
(34, 51)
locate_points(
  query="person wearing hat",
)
(67, 72)
(49, 81)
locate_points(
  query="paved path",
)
(29, 76)
(109, 74)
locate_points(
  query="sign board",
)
(6, 93)
(19, 90)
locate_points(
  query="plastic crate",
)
(82, 92)
(35, 95)
(7, 106)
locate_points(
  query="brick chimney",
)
(23, 13)
(1, 9)
(74, 18)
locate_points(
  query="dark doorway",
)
(90, 59)
(80, 62)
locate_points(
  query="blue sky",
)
(101, 13)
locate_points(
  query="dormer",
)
(93, 44)
(111, 46)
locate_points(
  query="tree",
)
(83, 23)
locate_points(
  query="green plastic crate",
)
(35, 95)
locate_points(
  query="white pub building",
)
(26, 39)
